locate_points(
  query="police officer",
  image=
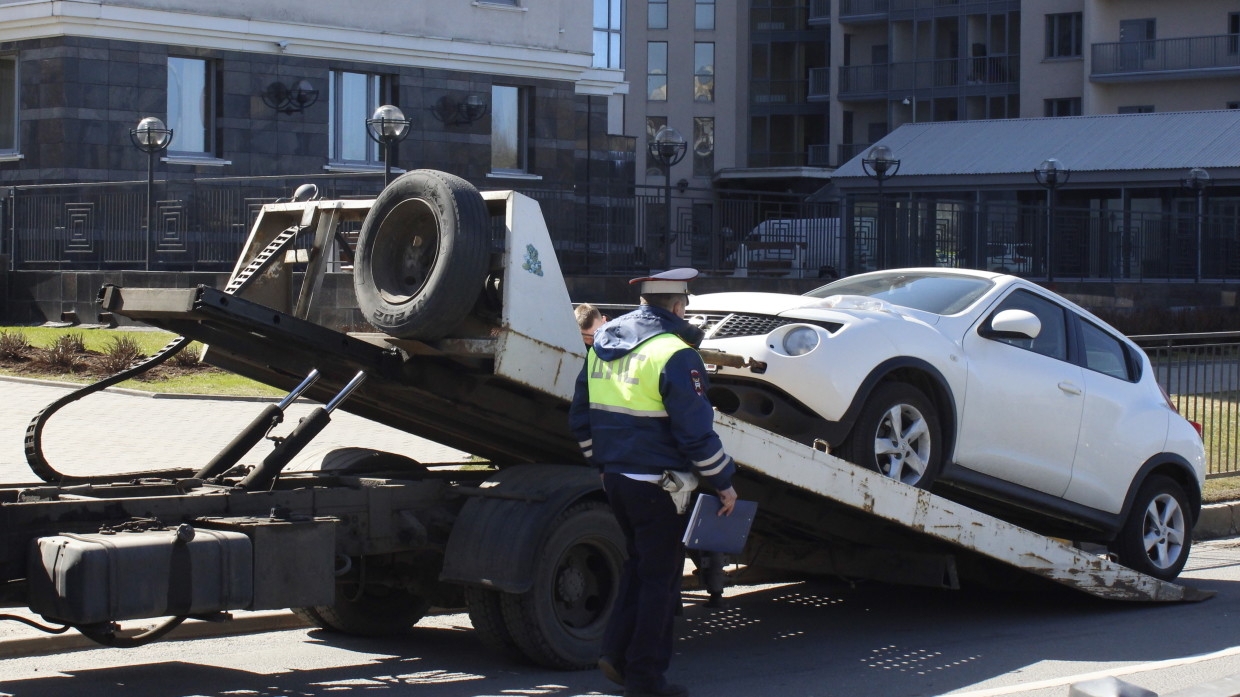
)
(639, 410)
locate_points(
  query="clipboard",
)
(708, 531)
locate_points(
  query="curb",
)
(143, 393)
(248, 623)
(1218, 520)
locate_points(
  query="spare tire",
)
(422, 255)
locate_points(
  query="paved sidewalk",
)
(114, 431)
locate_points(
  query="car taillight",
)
(1167, 399)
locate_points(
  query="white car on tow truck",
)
(982, 387)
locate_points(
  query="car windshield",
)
(942, 294)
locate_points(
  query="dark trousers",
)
(639, 632)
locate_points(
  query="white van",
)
(797, 247)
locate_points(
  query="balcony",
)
(850, 150)
(767, 19)
(819, 84)
(877, 81)
(777, 92)
(864, 10)
(819, 156)
(1160, 59)
(819, 12)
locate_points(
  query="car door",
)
(1023, 400)
(1125, 421)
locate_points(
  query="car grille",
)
(734, 324)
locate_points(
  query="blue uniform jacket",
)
(685, 439)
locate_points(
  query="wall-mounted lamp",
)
(458, 110)
(290, 100)
(682, 185)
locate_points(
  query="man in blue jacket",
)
(639, 410)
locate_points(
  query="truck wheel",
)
(897, 434)
(372, 610)
(1158, 533)
(559, 622)
(422, 255)
(486, 613)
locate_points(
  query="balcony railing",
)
(854, 9)
(850, 150)
(819, 83)
(1205, 54)
(778, 91)
(819, 11)
(819, 156)
(877, 80)
(779, 18)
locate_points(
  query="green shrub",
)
(188, 357)
(63, 352)
(120, 353)
(13, 344)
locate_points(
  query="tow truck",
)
(474, 346)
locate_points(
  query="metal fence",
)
(1201, 373)
(200, 225)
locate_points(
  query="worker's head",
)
(589, 319)
(668, 290)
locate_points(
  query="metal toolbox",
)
(101, 577)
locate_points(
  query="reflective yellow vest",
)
(630, 384)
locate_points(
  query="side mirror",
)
(1015, 324)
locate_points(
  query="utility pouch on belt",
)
(680, 485)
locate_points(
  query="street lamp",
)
(1198, 180)
(387, 127)
(667, 148)
(150, 136)
(880, 165)
(1052, 175)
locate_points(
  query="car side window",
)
(1052, 340)
(1104, 353)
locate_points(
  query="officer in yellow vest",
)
(639, 411)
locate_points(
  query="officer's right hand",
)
(727, 498)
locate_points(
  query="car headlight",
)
(800, 341)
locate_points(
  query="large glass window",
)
(1068, 106)
(1063, 35)
(509, 129)
(8, 104)
(656, 71)
(704, 72)
(608, 34)
(703, 146)
(656, 14)
(354, 97)
(189, 106)
(704, 14)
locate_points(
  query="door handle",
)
(1069, 388)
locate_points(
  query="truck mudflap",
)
(495, 541)
(936, 521)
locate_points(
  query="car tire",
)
(1157, 535)
(422, 257)
(897, 434)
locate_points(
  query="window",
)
(1138, 109)
(509, 130)
(1051, 340)
(8, 105)
(189, 106)
(703, 146)
(1106, 354)
(353, 97)
(1063, 35)
(656, 14)
(704, 14)
(1233, 28)
(1069, 106)
(656, 71)
(704, 72)
(608, 34)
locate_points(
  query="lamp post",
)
(387, 127)
(881, 165)
(150, 136)
(1052, 175)
(1198, 180)
(667, 148)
